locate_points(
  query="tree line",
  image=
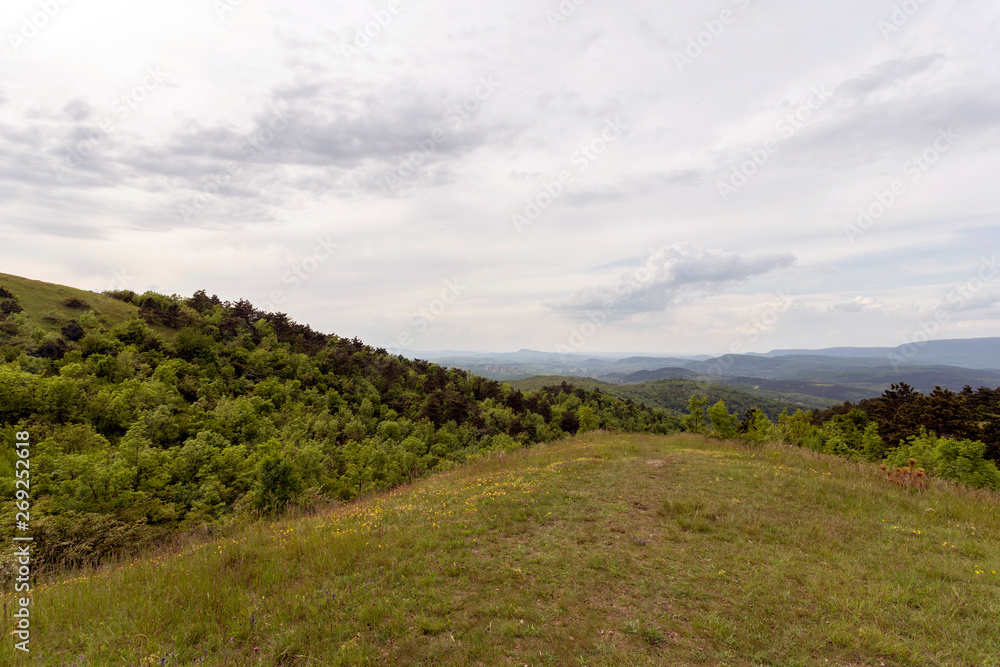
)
(953, 435)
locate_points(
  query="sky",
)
(584, 175)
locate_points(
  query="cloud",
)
(858, 304)
(960, 302)
(671, 273)
(636, 185)
(886, 74)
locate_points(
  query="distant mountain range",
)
(968, 352)
(819, 377)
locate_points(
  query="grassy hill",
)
(596, 550)
(673, 394)
(45, 306)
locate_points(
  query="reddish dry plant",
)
(909, 475)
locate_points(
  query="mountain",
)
(967, 352)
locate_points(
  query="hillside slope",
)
(45, 306)
(599, 550)
(138, 435)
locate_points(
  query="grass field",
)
(44, 303)
(603, 549)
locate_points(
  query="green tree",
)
(723, 423)
(277, 484)
(588, 419)
(694, 421)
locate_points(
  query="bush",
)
(73, 539)
(10, 306)
(277, 484)
(72, 331)
(958, 460)
(74, 302)
(756, 428)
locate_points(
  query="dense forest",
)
(900, 412)
(197, 410)
(947, 434)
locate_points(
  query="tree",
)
(723, 423)
(588, 419)
(694, 421)
(277, 483)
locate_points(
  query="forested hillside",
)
(195, 409)
(673, 394)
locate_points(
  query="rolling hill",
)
(600, 549)
(673, 394)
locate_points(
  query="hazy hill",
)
(810, 376)
(969, 352)
(674, 394)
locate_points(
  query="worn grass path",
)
(604, 549)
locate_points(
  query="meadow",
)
(598, 549)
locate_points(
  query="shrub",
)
(72, 331)
(277, 484)
(10, 306)
(74, 302)
(959, 460)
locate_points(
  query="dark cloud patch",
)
(77, 110)
(885, 75)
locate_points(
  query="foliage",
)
(959, 460)
(195, 409)
(694, 421)
(900, 412)
(723, 423)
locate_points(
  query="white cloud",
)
(352, 122)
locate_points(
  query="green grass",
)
(44, 307)
(604, 549)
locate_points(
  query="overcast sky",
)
(666, 177)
